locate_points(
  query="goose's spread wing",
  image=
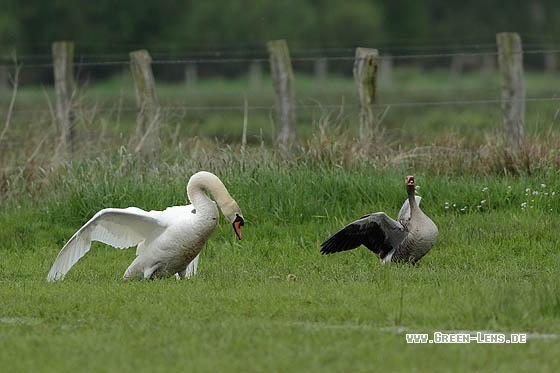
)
(378, 232)
(404, 213)
(120, 228)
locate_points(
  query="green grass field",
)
(494, 268)
(271, 302)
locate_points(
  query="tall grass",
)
(329, 148)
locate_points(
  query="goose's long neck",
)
(410, 189)
(206, 181)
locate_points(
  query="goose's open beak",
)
(237, 224)
(410, 180)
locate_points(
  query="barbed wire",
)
(241, 108)
(164, 50)
(230, 60)
(80, 62)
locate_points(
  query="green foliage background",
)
(174, 25)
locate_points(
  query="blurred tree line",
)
(182, 26)
(105, 30)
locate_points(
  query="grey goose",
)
(406, 239)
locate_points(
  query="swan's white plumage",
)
(191, 268)
(120, 228)
(168, 242)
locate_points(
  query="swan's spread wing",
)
(377, 232)
(404, 213)
(120, 228)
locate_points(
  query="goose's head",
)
(232, 212)
(410, 186)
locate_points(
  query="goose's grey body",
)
(406, 239)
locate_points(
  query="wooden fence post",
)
(191, 74)
(510, 60)
(320, 71)
(147, 120)
(255, 75)
(365, 72)
(550, 62)
(63, 57)
(282, 77)
(4, 78)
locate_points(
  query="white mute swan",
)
(406, 240)
(168, 241)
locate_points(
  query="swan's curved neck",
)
(202, 182)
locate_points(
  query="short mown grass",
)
(271, 302)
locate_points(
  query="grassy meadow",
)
(271, 302)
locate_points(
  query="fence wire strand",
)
(241, 108)
(80, 61)
(218, 58)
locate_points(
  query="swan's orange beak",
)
(237, 224)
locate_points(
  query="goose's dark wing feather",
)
(378, 232)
